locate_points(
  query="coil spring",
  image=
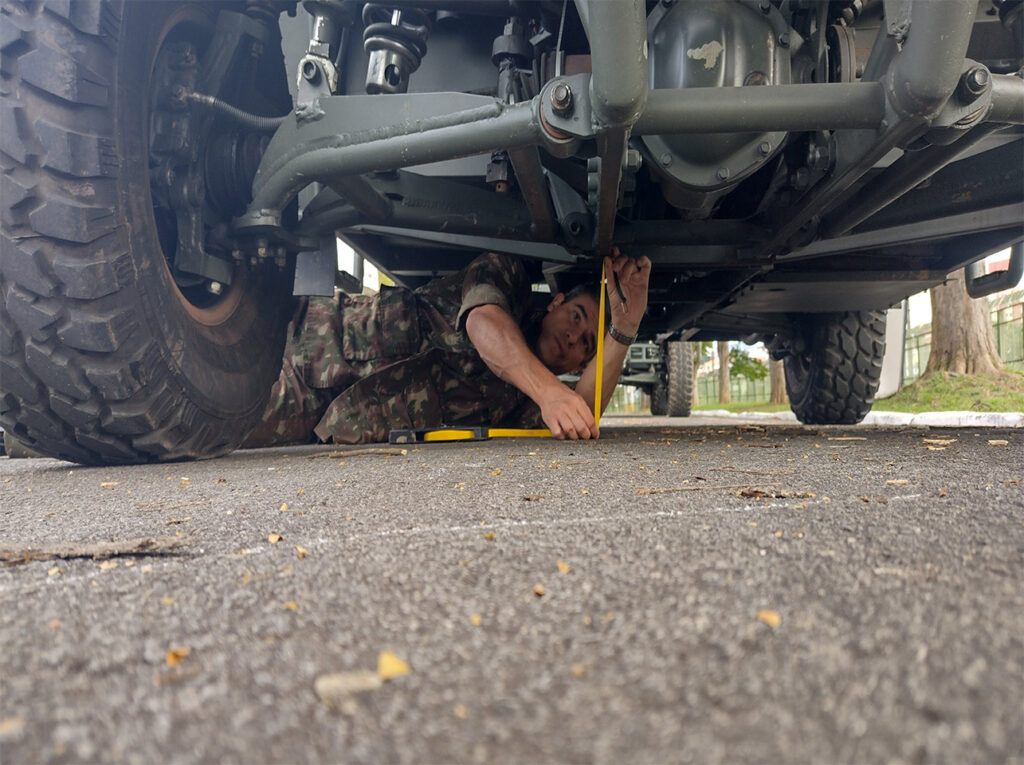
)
(400, 33)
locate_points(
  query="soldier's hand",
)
(566, 414)
(628, 299)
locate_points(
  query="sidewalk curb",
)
(922, 420)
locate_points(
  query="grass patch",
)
(941, 392)
(945, 392)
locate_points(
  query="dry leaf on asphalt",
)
(337, 689)
(897, 482)
(939, 441)
(301, 552)
(177, 654)
(475, 620)
(769, 617)
(539, 590)
(290, 605)
(563, 567)
(998, 442)
(389, 666)
(274, 538)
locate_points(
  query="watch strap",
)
(621, 337)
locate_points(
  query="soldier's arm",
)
(501, 345)
(633, 276)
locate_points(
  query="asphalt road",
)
(872, 610)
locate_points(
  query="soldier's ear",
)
(556, 301)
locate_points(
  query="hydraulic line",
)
(256, 122)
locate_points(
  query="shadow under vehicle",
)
(171, 176)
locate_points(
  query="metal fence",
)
(1007, 324)
(740, 389)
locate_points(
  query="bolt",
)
(214, 288)
(262, 248)
(723, 174)
(666, 159)
(784, 39)
(764, 148)
(765, 6)
(236, 254)
(561, 99)
(310, 72)
(974, 82)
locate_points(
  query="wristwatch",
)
(621, 337)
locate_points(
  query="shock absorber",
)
(395, 41)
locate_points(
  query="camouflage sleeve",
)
(494, 279)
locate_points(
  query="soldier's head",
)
(568, 330)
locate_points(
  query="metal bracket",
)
(981, 285)
(897, 18)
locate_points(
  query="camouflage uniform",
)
(356, 368)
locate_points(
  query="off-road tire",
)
(102, 360)
(659, 399)
(679, 386)
(834, 381)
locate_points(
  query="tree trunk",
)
(963, 341)
(777, 381)
(724, 388)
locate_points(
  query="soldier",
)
(465, 349)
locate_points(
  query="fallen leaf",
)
(935, 448)
(184, 482)
(769, 617)
(539, 590)
(107, 565)
(284, 507)
(847, 438)
(390, 666)
(475, 620)
(778, 533)
(488, 536)
(108, 484)
(998, 442)
(496, 472)
(55, 571)
(939, 441)
(943, 492)
(290, 605)
(167, 600)
(577, 670)
(563, 567)
(897, 482)
(54, 624)
(460, 711)
(301, 552)
(176, 655)
(337, 688)
(274, 538)
(533, 497)
(11, 724)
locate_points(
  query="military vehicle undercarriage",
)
(791, 167)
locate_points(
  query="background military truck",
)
(170, 178)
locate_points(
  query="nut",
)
(561, 99)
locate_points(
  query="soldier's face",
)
(568, 333)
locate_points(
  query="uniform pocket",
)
(384, 326)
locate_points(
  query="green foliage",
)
(742, 364)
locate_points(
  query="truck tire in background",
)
(834, 379)
(679, 385)
(107, 353)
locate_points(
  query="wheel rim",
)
(194, 235)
